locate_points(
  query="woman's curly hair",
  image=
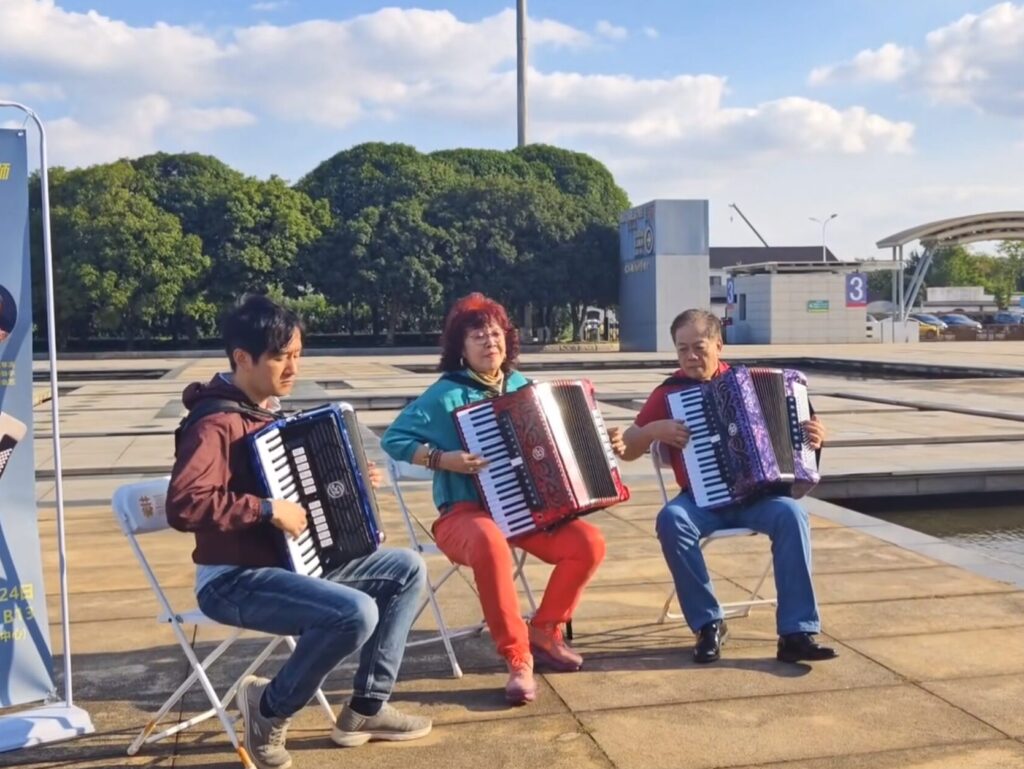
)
(472, 312)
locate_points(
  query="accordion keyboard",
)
(704, 450)
(507, 489)
(283, 483)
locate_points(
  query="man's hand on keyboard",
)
(375, 476)
(668, 431)
(289, 517)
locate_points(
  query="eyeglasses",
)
(482, 337)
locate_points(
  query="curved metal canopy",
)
(999, 225)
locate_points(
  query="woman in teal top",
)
(479, 352)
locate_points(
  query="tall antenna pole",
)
(521, 69)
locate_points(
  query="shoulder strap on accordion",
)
(459, 378)
(678, 380)
(215, 406)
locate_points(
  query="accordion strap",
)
(459, 378)
(218, 406)
(672, 381)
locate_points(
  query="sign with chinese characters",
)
(856, 289)
(25, 659)
(817, 305)
(637, 231)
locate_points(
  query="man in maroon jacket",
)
(681, 524)
(368, 604)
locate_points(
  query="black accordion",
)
(316, 459)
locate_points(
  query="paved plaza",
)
(931, 672)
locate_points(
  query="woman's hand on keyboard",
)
(462, 462)
(289, 517)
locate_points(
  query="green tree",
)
(390, 259)
(122, 264)
(253, 230)
(506, 238)
(581, 177)
(374, 175)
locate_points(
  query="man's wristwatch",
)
(266, 510)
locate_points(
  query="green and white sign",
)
(817, 305)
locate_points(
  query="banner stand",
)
(59, 719)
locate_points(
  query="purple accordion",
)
(746, 437)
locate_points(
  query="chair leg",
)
(442, 628)
(146, 735)
(252, 668)
(520, 561)
(204, 681)
(666, 610)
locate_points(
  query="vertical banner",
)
(25, 658)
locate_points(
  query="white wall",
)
(777, 310)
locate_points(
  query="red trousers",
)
(468, 536)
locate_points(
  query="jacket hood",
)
(220, 388)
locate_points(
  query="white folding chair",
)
(660, 458)
(405, 472)
(140, 509)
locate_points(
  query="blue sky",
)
(887, 113)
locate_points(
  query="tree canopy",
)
(378, 238)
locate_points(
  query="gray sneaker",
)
(353, 729)
(264, 737)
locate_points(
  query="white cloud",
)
(888, 63)
(118, 89)
(608, 30)
(688, 112)
(976, 61)
(650, 32)
(263, 7)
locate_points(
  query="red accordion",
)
(550, 458)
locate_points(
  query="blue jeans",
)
(680, 527)
(368, 603)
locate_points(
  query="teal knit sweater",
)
(429, 420)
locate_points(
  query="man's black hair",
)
(258, 325)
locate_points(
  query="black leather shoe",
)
(797, 647)
(710, 639)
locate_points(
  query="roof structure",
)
(998, 225)
(874, 265)
(724, 257)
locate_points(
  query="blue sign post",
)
(26, 664)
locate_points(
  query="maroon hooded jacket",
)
(214, 491)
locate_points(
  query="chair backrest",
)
(141, 508)
(404, 471)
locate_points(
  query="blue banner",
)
(25, 659)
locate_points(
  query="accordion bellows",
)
(746, 437)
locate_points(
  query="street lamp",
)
(823, 223)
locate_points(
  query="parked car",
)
(962, 321)
(929, 319)
(927, 330)
(1007, 318)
